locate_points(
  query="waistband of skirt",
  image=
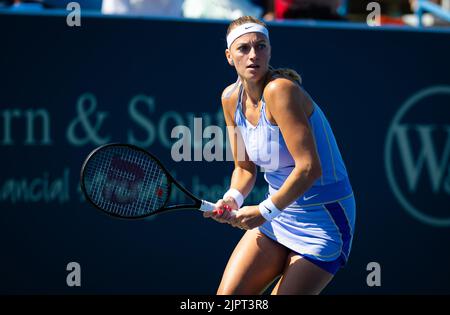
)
(322, 194)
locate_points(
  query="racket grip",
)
(207, 206)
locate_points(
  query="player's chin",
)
(254, 75)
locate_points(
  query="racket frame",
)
(197, 202)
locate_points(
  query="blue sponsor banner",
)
(66, 90)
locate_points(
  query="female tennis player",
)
(302, 232)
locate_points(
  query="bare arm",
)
(286, 103)
(244, 173)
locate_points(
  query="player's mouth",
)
(252, 66)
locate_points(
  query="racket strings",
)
(126, 182)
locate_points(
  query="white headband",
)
(244, 29)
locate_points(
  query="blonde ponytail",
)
(286, 73)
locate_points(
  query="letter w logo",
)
(427, 156)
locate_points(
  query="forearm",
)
(296, 184)
(243, 180)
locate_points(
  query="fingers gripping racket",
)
(128, 182)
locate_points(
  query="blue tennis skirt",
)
(321, 233)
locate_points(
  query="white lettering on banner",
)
(420, 158)
(74, 17)
(265, 143)
(181, 149)
(73, 278)
(374, 17)
(212, 151)
(373, 279)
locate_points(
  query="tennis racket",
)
(126, 181)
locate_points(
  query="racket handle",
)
(209, 206)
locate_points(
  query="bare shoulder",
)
(229, 98)
(281, 87)
(288, 92)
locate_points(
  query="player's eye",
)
(243, 48)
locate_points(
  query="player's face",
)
(250, 54)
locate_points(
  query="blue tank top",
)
(266, 147)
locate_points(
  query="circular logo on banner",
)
(417, 156)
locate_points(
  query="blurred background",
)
(401, 12)
(132, 70)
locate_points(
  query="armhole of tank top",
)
(228, 95)
(264, 104)
(314, 105)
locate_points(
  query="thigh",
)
(255, 263)
(301, 276)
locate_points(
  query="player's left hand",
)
(247, 218)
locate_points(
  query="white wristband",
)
(236, 195)
(268, 210)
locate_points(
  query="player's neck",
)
(254, 89)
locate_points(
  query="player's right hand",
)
(222, 213)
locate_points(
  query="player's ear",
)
(228, 56)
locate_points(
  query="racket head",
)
(125, 181)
